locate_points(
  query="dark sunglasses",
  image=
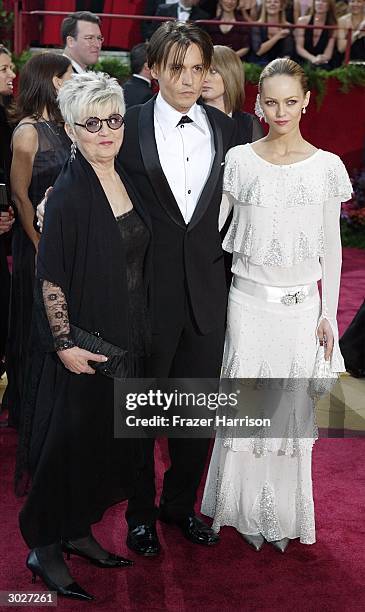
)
(94, 124)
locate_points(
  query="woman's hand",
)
(6, 220)
(76, 360)
(325, 337)
(41, 209)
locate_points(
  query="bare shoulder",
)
(304, 20)
(344, 21)
(25, 137)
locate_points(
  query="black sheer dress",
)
(53, 151)
(5, 158)
(78, 468)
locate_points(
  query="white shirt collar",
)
(79, 69)
(139, 76)
(168, 117)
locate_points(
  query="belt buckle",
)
(293, 298)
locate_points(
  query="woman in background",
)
(270, 42)
(233, 36)
(7, 76)
(355, 20)
(317, 46)
(224, 88)
(40, 148)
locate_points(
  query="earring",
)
(258, 109)
(304, 110)
(73, 151)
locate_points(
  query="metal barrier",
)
(20, 14)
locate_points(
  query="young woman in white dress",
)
(286, 196)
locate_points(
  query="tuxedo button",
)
(189, 191)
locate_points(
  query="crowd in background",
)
(262, 43)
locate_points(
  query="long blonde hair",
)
(282, 15)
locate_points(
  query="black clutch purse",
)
(117, 365)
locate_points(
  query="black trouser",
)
(185, 353)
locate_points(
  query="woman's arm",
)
(270, 42)
(343, 22)
(242, 52)
(25, 146)
(73, 358)
(299, 40)
(326, 56)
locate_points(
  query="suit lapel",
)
(149, 152)
(211, 184)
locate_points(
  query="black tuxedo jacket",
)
(187, 259)
(171, 10)
(136, 91)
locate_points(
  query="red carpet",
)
(326, 577)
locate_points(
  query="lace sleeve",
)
(57, 314)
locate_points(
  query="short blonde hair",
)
(84, 94)
(227, 63)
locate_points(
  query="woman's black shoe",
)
(110, 561)
(72, 590)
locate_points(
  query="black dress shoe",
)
(194, 529)
(111, 560)
(143, 540)
(72, 590)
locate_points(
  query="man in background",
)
(137, 90)
(82, 39)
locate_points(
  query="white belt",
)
(284, 295)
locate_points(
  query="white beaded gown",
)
(284, 237)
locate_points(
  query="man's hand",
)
(6, 220)
(76, 360)
(41, 208)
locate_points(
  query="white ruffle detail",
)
(298, 247)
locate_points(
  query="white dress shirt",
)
(183, 14)
(186, 152)
(77, 68)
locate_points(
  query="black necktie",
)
(184, 119)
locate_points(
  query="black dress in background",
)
(79, 468)
(283, 48)
(53, 151)
(320, 47)
(5, 159)
(237, 38)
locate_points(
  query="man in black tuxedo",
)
(174, 151)
(137, 90)
(184, 10)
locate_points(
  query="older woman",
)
(91, 278)
(318, 45)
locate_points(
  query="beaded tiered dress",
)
(284, 237)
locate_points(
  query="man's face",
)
(181, 86)
(85, 47)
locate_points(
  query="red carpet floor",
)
(326, 577)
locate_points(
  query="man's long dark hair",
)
(36, 89)
(180, 36)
